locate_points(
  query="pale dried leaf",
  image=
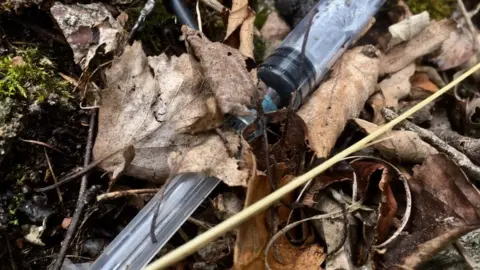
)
(397, 86)
(456, 50)
(376, 102)
(422, 81)
(225, 72)
(246, 36)
(88, 28)
(402, 146)
(150, 103)
(422, 44)
(408, 28)
(238, 14)
(274, 28)
(213, 158)
(340, 98)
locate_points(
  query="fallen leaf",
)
(408, 28)
(274, 28)
(224, 70)
(397, 86)
(239, 13)
(422, 44)
(288, 147)
(226, 205)
(445, 207)
(88, 28)
(472, 117)
(212, 157)
(246, 36)
(399, 145)
(253, 237)
(375, 103)
(456, 50)
(152, 105)
(422, 81)
(340, 98)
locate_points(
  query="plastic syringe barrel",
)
(336, 23)
(133, 248)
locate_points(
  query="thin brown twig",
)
(82, 196)
(54, 177)
(461, 159)
(470, 25)
(124, 193)
(43, 144)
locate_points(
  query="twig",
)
(469, 146)
(147, 9)
(432, 75)
(215, 5)
(124, 193)
(199, 16)
(43, 144)
(82, 196)
(472, 28)
(461, 250)
(200, 223)
(463, 161)
(54, 177)
(14, 267)
(254, 209)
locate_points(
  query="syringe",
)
(334, 25)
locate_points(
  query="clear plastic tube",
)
(133, 248)
(336, 23)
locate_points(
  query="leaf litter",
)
(161, 115)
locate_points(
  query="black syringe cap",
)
(286, 70)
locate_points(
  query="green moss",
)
(30, 76)
(261, 18)
(259, 49)
(438, 9)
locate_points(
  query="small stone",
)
(26, 189)
(39, 199)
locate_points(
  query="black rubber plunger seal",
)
(183, 14)
(285, 71)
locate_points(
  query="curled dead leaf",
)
(408, 28)
(429, 40)
(88, 28)
(456, 50)
(156, 104)
(397, 86)
(402, 146)
(445, 206)
(340, 98)
(239, 13)
(225, 72)
(422, 81)
(212, 157)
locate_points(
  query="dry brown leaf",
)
(246, 36)
(445, 206)
(456, 50)
(153, 104)
(408, 28)
(224, 70)
(422, 44)
(340, 98)
(402, 146)
(422, 81)
(88, 28)
(239, 13)
(397, 86)
(213, 158)
(253, 237)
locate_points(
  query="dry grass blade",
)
(231, 223)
